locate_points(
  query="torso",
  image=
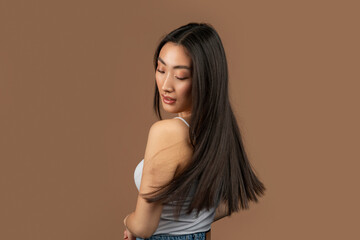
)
(185, 151)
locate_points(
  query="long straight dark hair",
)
(219, 162)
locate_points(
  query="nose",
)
(167, 85)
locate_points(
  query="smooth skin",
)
(173, 79)
(168, 149)
(159, 168)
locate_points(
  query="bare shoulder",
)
(168, 146)
(172, 128)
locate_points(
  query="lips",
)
(169, 98)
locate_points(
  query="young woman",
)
(195, 170)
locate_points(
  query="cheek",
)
(158, 81)
(186, 90)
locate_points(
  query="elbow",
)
(142, 227)
(145, 235)
(144, 232)
(140, 234)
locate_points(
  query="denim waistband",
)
(192, 236)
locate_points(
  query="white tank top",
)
(186, 223)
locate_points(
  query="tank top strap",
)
(183, 121)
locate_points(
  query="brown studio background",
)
(72, 132)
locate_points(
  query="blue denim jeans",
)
(192, 236)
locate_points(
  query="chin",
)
(170, 110)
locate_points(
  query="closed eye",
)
(176, 77)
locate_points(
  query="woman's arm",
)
(160, 163)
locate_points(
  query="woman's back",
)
(186, 223)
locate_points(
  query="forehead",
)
(174, 54)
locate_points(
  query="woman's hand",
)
(128, 235)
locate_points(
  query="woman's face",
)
(174, 78)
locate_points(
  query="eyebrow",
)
(175, 67)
